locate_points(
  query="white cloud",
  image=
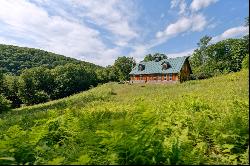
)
(139, 52)
(64, 34)
(180, 54)
(179, 3)
(28, 21)
(115, 16)
(174, 3)
(199, 4)
(231, 33)
(198, 22)
(183, 7)
(194, 23)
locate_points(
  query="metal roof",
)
(153, 67)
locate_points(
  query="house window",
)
(164, 66)
(155, 78)
(140, 77)
(165, 77)
(141, 67)
(170, 76)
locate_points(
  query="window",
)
(140, 77)
(165, 65)
(165, 77)
(170, 76)
(141, 67)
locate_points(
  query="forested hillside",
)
(197, 122)
(14, 59)
(30, 76)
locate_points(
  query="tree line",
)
(14, 59)
(41, 84)
(211, 59)
(30, 76)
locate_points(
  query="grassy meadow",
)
(196, 122)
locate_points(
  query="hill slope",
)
(13, 59)
(197, 122)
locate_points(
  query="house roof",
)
(153, 67)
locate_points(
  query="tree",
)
(112, 73)
(148, 57)
(123, 66)
(1, 81)
(151, 57)
(14, 59)
(4, 104)
(245, 62)
(35, 85)
(200, 57)
(10, 89)
(102, 75)
(72, 78)
(223, 56)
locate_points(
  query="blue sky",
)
(99, 31)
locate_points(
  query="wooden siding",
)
(154, 77)
(183, 75)
(185, 71)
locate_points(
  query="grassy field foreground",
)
(197, 122)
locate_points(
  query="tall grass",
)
(197, 122)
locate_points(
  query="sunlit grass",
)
(197, 122)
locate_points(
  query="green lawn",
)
(196, 122)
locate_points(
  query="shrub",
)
(245, 62)
(4, 104)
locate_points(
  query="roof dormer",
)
(141, 67)
(165, 65)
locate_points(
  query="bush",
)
(200, 76)
(4, 104)
(245, 62)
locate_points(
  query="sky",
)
(99, 31)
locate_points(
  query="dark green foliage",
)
(38, 85)
(153, 57)
(4, 104)
(35, 76)
(14, 59)
(245, 62)
(47, 76)
(10, 89)
(35, 85)
(122, 67)
(222, 57)
(1, 80)
(202, 122)
(71, 78)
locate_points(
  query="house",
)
(170, 70)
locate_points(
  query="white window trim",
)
(165, 76)
(141, 77)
